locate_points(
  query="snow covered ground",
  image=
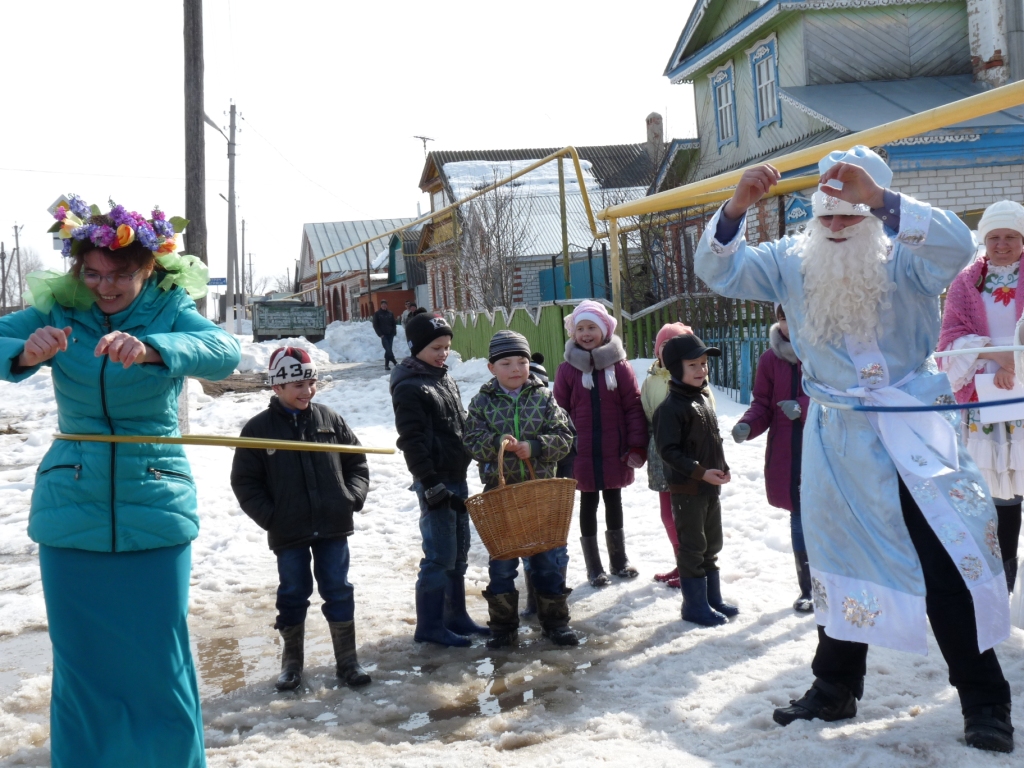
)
(643, 687)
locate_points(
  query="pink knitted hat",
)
(594, 312)
(668, 331)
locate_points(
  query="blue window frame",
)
(764, 73)
(724, 94)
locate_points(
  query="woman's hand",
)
(1002, 359)
(124, 348)
(1005, 379)
(44, 344)
(717, 477)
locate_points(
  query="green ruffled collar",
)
(46, 288)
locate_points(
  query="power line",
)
(299, 170)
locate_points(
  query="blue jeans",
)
(330, 566)
(544, 571)
(561, 555)
(389, 356)
(445, 535)
(796, 532)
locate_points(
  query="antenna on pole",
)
(424, 139)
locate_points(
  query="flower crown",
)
(157, 234)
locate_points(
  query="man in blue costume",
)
(899, 524)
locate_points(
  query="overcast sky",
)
(331, 95)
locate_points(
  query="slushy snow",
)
(642, 688)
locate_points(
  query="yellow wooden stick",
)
(226, 442)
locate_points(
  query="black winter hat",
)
(537, 367)
(686, 346)
(507, 344)
(423, 329)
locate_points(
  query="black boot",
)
(455, 617)
(804, 603)
(618, 563)
(554, 618)
(989, 727)
(695, 603)
(430, 620)
(343, 636)
(504, 618)
(715, 595)
(291, 657)
(824, 701)
(531, 596)
(592, 557)
(1010, 569)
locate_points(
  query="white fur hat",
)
(826, 205)
(1006, 214)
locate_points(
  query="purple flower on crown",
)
(163, 227)
(120, 216)
(65, 247)
(61, 213)
(79, 207)
(158, 215)
(83, 232)
(147, 236)
(103, 236)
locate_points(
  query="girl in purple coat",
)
(599, 390)
(779, 407)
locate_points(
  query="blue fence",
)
(586, 278)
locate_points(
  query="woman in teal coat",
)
(114, 522)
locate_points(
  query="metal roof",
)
(858, 106)
(328, 237)
(613, 165)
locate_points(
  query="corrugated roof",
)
(328, 237)
(802, 143)
(858, 106)
(613, 165)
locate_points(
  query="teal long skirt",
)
(124, 685)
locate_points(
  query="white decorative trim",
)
(864, 612)
(764, 43)
(728, 44)
(948, 138)
(808, 111)
(724, 249)
(720, 73)
(915, 221)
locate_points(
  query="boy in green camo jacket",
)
(515, 406)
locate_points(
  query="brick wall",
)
(963, 189)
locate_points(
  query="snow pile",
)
(256, 356)
(245, 331)
(356, 342)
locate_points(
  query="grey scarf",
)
(602, 358)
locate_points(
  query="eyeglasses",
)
(93, 279)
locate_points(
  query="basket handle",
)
(501, 464)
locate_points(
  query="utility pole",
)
(369, 280)
(233, 318)
(195, 143)
(566, 272)
(3, 276)
(17, 250)
(252, 283)
(242, 272)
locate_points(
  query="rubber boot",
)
(592, 557)
(665, 578)
(824, 701)
(804, 603)
(989, 728)
(553, 611)
(292, 657)
(430, 620)
(531, 596)
(695, 603)
(715, 595)
(343, 636)
(1010, 569)
(618, 563)
(504, 618)
(455, 617)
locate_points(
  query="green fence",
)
(739, 328)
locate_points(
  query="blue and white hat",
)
(826, 205)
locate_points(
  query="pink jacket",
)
(965, 313)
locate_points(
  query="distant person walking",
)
(410, 310)
(385, 327)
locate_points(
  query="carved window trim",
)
(723, 93)
(764, 75)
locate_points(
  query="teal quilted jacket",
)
(109, 497)
(533, 415)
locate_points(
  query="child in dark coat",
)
(305, 501)
(779, 407)
(598, 389)
(515, 408)
(686, 433)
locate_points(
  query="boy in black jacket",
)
(689, 443)
(431, 423)
(305, 500)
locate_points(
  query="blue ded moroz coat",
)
(866, 576)
(118, 498)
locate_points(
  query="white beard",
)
(845, 283)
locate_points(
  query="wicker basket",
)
(525, 518)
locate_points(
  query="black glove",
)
(456, 503)
(437, 496)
